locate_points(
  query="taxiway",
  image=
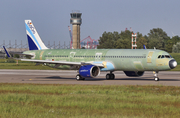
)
(167, 78)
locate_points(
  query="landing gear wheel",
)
(110, 76)
(156, 78)
(78, 77)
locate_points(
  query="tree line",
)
(155, 38)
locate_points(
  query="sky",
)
(52, 18)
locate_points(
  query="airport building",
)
(76, 21)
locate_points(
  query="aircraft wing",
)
(63, 62)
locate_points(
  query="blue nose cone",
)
(172, 63)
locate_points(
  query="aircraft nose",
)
(172, 63)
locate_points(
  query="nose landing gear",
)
(156, 78)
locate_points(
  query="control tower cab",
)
(76, 22)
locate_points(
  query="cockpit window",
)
(164, 56)
(167, 56)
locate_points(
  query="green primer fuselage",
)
(122, 59)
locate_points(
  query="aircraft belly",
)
(138, 65)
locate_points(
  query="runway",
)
(167, 78)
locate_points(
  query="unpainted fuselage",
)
(112, 59)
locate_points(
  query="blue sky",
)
(52, 17)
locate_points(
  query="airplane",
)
(90, 62)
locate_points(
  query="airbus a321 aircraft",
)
(89, 62)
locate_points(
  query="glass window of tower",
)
(78, 15)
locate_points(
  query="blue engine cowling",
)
(134, 73)
(89, 71)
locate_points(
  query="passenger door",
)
(149, 57)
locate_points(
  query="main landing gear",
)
(110, 76)
(78, 77)
(156, 78)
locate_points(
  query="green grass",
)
(81, 101)
(176, 56)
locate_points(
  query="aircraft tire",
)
(78, 77)
(108, 76)
(156, 78)
(112, 76)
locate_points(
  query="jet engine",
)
(89, 71)
(134, 73)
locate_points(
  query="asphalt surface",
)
(167, 78)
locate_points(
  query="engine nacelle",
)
(89, 71)
(134, 73)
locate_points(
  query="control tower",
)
(76, 22)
